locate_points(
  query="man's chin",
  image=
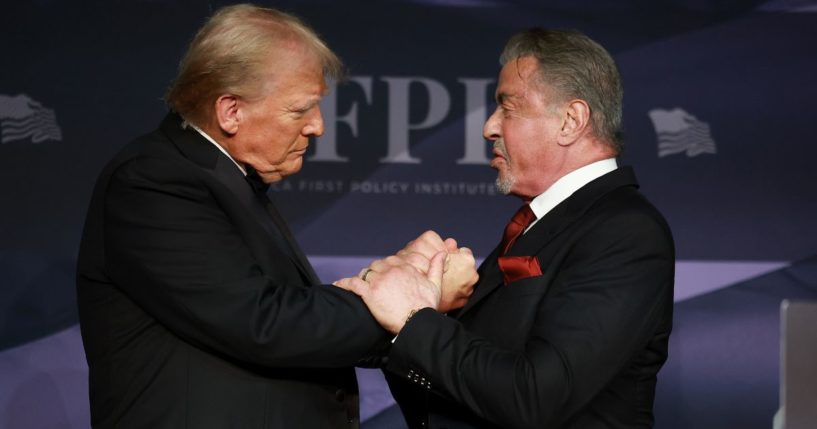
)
(290, 167)
(504, 183)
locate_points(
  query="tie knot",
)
(255, 181)
(523, 217)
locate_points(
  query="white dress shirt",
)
(567, 185)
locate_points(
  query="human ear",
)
(575, 120)
(228, 113)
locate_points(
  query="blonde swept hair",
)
(229, 55)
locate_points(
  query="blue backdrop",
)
(716, 121)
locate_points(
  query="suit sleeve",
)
(176, 252)
(611, 291)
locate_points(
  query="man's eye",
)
(301, 111)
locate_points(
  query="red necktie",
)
(523, 217)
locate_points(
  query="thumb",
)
(465, 250)
(450, 244)
(353, 284)
(435, 268)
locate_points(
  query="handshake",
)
(428, 272)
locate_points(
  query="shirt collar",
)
(568, 184)
(211, 140)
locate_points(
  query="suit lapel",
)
(298, 255)
(570, 210)
(261, 208)
(547, 228)
(196, 148)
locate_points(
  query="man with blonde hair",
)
(197, 307)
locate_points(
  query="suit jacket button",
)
(340, 395)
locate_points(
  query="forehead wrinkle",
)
(528, 79)
(529, 74)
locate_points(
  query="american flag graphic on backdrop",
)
(22, 118)
(678, 132)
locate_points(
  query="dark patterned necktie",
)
(523, 217)
(260, 188)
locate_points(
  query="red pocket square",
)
(519, 267)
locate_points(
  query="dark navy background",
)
(745, 68)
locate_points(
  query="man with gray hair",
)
(570, 320)
(197, 307)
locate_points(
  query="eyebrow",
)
(504, 96)
(306, 104)
(314, 101)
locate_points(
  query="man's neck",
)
(218, 145)
(563, 188)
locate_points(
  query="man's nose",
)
(491, 129)
(315, 125)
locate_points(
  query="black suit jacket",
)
(577, 347)
(198, 310)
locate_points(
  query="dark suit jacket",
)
(577, 347)
(197, 310)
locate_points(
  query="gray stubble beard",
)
(504, 181)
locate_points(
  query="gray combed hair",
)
(575, 67)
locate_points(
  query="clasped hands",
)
(428, 272)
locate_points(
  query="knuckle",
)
(430, 236)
